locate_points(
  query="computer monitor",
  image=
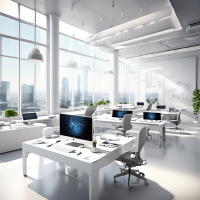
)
(151, 116)
(120, 113)
(29, 116)
(140, 103)
(161, 107)
(76, 128)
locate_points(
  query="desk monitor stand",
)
(75, 144)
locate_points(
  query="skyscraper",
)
(65, 89)
(5, 91)
(27, 94)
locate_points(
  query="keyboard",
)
(63, 149)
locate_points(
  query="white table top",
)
(109, 119)
(85, 151)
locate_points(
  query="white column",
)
(54, 63)
(116, 76)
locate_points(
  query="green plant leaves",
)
(10, 113)
(196, 101)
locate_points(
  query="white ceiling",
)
(92, 11)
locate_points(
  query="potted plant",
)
(153, 102)
(85, 105)
(10, 114)
(196, 103)
(91, 104)
(108, 102)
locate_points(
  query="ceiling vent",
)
(193, 28)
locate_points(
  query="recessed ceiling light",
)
(125, 31)
(106, 37)
(118, 33)
(152, 22)
(139, 26)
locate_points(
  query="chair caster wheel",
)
(146, 184)
(142, 174)
(25, 175)
(130, 188)
(115, 181)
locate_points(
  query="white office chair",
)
(90, 111)
(134, 161)
(177, 121)
(126, 125)
(149, 107)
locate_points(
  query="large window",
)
(128, 83)
(82, 77)
(22, 84)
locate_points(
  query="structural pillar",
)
(54, 63)
(116, 76)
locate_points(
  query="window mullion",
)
(19, 67)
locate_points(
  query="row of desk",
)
(97, 161)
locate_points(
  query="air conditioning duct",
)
(193, 28)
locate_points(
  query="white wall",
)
(178, 67)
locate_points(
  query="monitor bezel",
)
(81, 141)
(153, 113)
(121, 110)
(140, 105)
(29, 113)
(161, 108)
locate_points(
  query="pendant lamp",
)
(34, 55)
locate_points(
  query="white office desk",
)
(163, 112)
(108, 121)
(91, 167)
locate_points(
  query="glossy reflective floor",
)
(173, 172)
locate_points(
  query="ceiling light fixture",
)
(152, 22)
(106, 37)
(139, 26)
(125, 31)
(108, 71)
(34, 55)
(122, 14)
(101, 19)
(144, 37)
(151, 69)
(131, 73)
(118, 33)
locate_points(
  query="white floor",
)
(173, 172)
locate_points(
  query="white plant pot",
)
(47, 132)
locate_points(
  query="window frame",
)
(19, 39)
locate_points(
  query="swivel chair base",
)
(123, 134)
(130, 172)
(148, 135)
(177, 129)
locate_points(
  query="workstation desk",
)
(107, 122)
(91, 167)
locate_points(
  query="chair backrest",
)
(126, 122)
(149, 107)
(171, 109)
(90, 111)
(141, 142)
(179, 116)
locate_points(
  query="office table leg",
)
(163, 130)
(24, 155)
(160, 136)
(94, 185)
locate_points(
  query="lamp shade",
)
(108, 72)
(131, 73)
(34, 55)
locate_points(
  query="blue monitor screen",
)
(140, 103)
(151, 116)
(29, 116)
(76, 127)
(161, 107)
(120, 113)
